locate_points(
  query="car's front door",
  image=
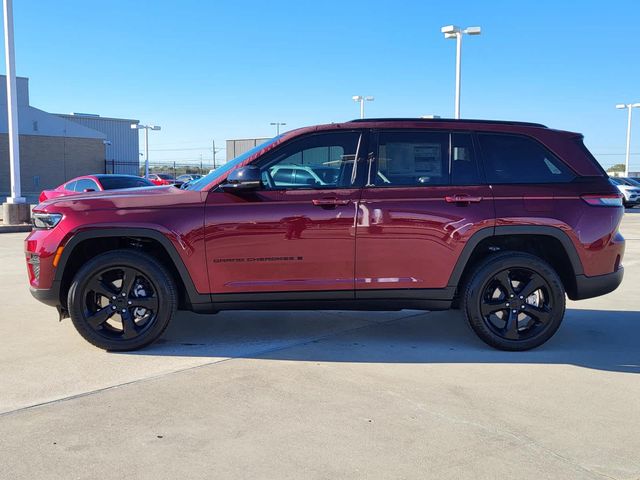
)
(423, 200)
(289, 236)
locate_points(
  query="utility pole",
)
(361, 99)
(12, 104)
(214, 153)
(451, 31)
(146, 128)
(627, 156)
(277, 125)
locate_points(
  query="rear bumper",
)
(589, 287)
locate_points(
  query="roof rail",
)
(448, 120)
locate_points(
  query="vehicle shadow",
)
(598, 339)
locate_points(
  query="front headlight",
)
(46, 220)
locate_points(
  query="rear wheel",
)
(514, 301)
(122, 300)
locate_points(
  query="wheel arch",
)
(100, 240)
(549, 243)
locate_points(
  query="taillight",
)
(614, 200)
(42, 197)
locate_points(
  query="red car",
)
(94, 183)
(161, 179)
(500, 219)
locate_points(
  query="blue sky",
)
(226, 69)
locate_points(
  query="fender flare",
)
(192, 295)
(514, 230)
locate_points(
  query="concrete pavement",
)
(321, 394)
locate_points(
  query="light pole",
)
(146, 128)
(630, 106)
(277, 125)
(362, 99)
(451, 31)
(12, 106)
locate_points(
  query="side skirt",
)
(373, 300)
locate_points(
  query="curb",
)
(15, 228)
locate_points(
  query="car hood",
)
(143, 197)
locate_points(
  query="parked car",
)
(629, 190)
(188, 177)
(163, 179)
(500, 219)
(94, 183)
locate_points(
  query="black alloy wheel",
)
(122, 300)
(514, 301)
(516, 304)
(120, 303)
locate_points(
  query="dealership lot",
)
(321, 394)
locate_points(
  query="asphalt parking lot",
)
(321, 394)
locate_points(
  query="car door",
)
(424, 198)
(287, 236)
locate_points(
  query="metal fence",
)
(171, 168)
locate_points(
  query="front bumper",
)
(48, 296)
(589, 287)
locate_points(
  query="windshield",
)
(230, 165)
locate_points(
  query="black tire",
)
(118, 317)
(500, 308)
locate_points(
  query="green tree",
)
(618, 167)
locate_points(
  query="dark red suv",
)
(500, 219)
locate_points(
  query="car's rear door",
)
(424, 199)
(289, 237)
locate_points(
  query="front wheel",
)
(122, 300)
(514, 301)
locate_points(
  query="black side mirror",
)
(243, 179)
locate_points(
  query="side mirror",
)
(87, 190)
(243, 180)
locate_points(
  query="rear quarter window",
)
(520, 159)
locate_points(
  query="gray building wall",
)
(239, 146)
(122, 148)
(52, 149)
(46, 162)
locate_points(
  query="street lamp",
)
(146, 128)
(630, 106)
(277, 125)
(362, 99)
(451, 31)
(12, 110)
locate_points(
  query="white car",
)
(629, 189)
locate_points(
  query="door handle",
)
(330, 202)
(462, 199)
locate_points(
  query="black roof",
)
(449, 120)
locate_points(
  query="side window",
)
(84, 184)
(464, 165)
(283, 176)
(324, 160)
(412, 159)
(519, 159)
(71, 186)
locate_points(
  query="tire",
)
(115, 316)
(512, 318)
